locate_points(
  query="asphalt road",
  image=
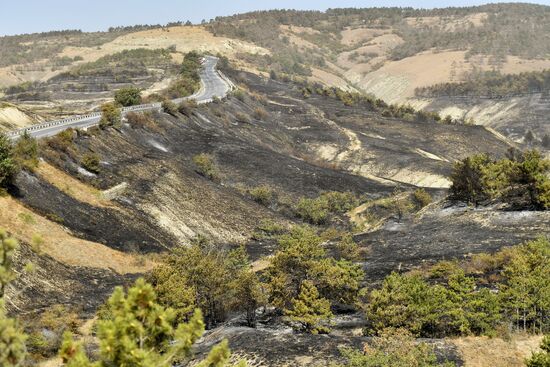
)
(213, 84)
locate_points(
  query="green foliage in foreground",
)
(542, 358)
(140, 332)
(202, 276)
(520, 180)
(8, 246)
(393, 348)
(12, 339)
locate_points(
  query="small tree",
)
(468, 179)
(399, 205)
(140, 332)
(129, 96)
(309, 310)
(8, 165)
(249, 295)
(110, 116)
(90, 161)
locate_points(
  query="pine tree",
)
(309, 310)
(139, 332)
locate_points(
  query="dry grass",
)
(396, 81)
(11, 116)
(184, 38)
(360, 35)
(483, 351)
(71, 186)
(23, 224)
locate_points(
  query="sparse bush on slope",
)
(206, 166)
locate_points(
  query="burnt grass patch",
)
(54, 283)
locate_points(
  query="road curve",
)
(213, 84)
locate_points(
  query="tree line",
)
(491, 84)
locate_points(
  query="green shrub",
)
(242, 117)
(110, 116)
(239, 94)
(314, 211)
(262, 194)
(268, 228)
(25, 151)
(206, 166)
(339, 202)
(347, 248)
(63, 141)
(91, 162)
(169, 107)
(393, 348)
(55, 320)
(186, 107)
(129, 96)
(260, 114)
(27, 218)
(421, 198)
(8, 164)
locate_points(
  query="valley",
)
(328, 188)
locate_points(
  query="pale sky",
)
(29, 16)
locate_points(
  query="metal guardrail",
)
(80, 118)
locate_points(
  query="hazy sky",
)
(28, 16)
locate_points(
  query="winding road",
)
(213, 84)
